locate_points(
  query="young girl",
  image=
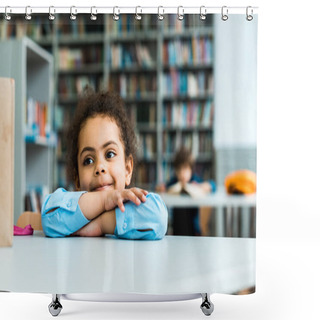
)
(101, 160)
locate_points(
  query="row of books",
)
(194, 51)
(132, 55)
(147, 143)
(189, 21)
(145, 174)
(34, 197)
(135, 85)
(37, 119)
(18, 28)
(189, 83)
(128, 24)
(143, 114)
(72, 86)
(71, 58)
(82, 26)
(42, 27)
(188, 114)
(200, 144)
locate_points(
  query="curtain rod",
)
(138, 10)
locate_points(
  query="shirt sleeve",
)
(151, 215)
(61, 214)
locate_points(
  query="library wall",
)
(179, 81)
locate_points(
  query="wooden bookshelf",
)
(164, 70)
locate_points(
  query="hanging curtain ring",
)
(160, 15)
(138, 15)
(224, 13)
(93, 15)
(116, 14)
(73, 13)
(7, 12)
(52, 11)
(203, 13)
(249, 16)
(28, 13)
(180, 13)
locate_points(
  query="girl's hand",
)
(116, 198)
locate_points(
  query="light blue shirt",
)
(66, 216)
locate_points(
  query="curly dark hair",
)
(91, 104)
(183, 157)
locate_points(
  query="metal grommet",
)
(249, 16)
(116, 14)
(7, 10)
(160, 15)
(93, 15)
(73, 13)
(224, 13)
(180, 13)
(28, 13)
(203, 13)
(138, 15)
(52, 11)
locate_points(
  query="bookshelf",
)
(32, 68)
(164, 71)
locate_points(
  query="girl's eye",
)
(110, 154)
(87, 161)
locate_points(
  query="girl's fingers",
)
(140, 193)
(121, 205)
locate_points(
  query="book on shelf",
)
(133, 55)
(34, 197)
(37, 120)
(187, 83)
(134, 86)
(194, 51)
(79, 57)
(70, 86)
(190, 114)
(147, 146)
(128, 24)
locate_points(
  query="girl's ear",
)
(77, 183)
(129, 169)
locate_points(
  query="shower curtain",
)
(187, 81)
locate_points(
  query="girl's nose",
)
(100, 169)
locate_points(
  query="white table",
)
(172, 266)
(226, 224)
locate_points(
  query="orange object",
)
(241, 182)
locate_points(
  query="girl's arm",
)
(92, 204)
(63, 213)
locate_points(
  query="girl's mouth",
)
(108, 186)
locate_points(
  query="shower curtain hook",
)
(6, 13)
(73, 13)
(180, 13)
(249, 16)
(52, 11)
(116, 15)
(224, 13)
(138, 15)
(28, 13)
(93, 16)
(203, 13)
(160, 15)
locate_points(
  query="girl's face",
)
(184, 174)
(101, 157)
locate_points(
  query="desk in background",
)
(234, 215)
